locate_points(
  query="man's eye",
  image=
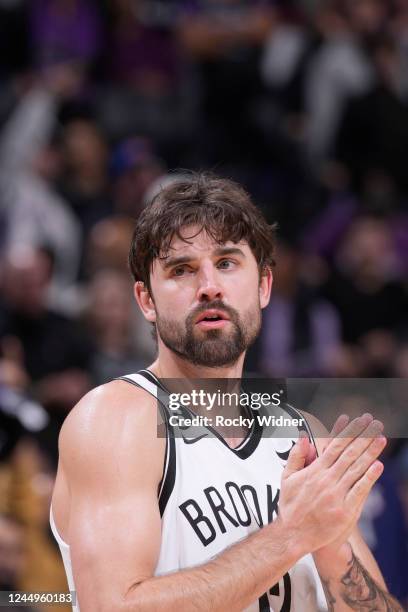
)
(225, 264)
(179, 271)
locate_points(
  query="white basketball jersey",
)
(211, 496)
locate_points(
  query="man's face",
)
(207, 299)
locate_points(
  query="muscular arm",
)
(113, 460)
(349, 573)
(231, 581)
(349, 585)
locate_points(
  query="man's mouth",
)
(212, 319)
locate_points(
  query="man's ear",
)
(265, 287)
(145, 301)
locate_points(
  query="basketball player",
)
(146, 523)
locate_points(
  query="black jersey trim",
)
(244, 449)
(167, 483)
(306, 427)
(264, 603)
(168, 479)
(153, 379)
(248, 445)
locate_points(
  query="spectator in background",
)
(65, 30)
(53, 350)
(147, 87)
(85, 178)
(14, 41)
(108, 249)
(134, 167)
(109, 322)
(301, 331)
(30, 162)
(373, 133)
(401, 469)
(143, 54)
(108, 245)
(29, 559)
(14, 50)
(401, 360)
(366, 290)
(398, 30)
(339, 69)
(225, 38)
(384, 528)
(12, 555)
(11, 552)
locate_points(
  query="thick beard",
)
(214, 348)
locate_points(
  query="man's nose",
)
(208, 289)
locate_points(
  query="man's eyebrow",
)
(170, 262)
(228, 251)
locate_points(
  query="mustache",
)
(216, 304)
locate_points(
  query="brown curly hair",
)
(217, 205)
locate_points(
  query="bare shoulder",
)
(112, 425)
(105, 503)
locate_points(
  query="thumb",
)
(297, 457)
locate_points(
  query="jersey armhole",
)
(144, 379)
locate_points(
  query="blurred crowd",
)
(305, 102)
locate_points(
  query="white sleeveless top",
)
(211, 496)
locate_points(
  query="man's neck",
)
(170, 365)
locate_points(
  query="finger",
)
(338, 444)
(340, 424)
(311, 455)
(359, 492)
(356, 449)
(297, 457)
(363, 463)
